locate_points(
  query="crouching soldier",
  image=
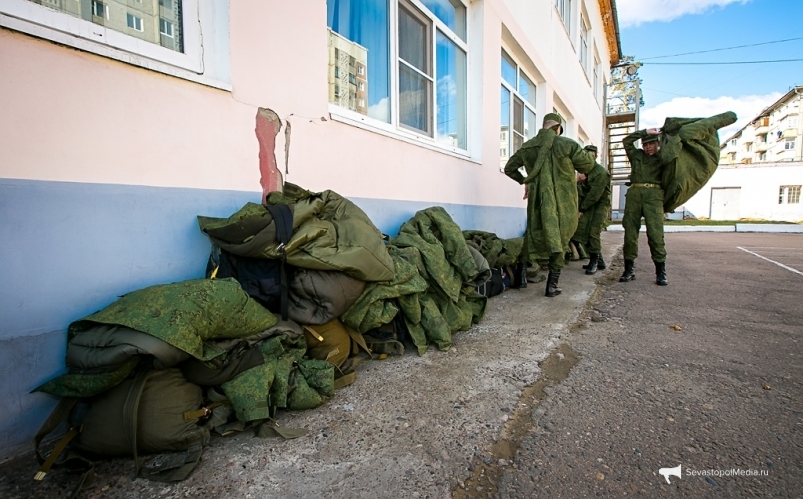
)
(594, 194)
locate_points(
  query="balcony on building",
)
(762, 126)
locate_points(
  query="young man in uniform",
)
(550, 162)
(594, 191)
(644, 198)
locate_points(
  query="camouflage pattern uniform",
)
(644, 198)
(550, 162)
(595, 200)
(552, 195)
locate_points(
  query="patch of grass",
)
(720, 222)
(716, 222)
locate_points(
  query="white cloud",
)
(745, 107)
(380, 110)
(635, 12)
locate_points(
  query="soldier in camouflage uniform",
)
(551, 190)
(644, 198)
(594, 191)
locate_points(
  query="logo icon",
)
(666, 472)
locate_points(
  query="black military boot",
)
(552, 288)
(660, 274)
(628, 274)
(593, 261)
(600, 263)
(519, 277)
(523, 276)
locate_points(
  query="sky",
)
(653, 28)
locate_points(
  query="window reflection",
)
(154, 21)
(359, 45)
(451, 12)
(451, 64)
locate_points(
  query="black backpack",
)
(265, 280)
(495, 285)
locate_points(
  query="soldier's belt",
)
(653, 186)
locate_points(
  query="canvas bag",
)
(154, 412)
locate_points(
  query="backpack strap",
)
(53, 421)
(283, 218)
(73, 464)
(130, 410)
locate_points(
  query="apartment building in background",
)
(760, 173)
(774, 136)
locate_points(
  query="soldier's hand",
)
(654, 131)
(525, 192)
(579, 215)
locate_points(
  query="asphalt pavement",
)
(705, 374)
(588, 394)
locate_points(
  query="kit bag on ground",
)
(264, 279)
(337, 344)
(495, 285)
(154, 412)
(388, 338)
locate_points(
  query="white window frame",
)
(204, 60)
(596, 82)
(105, 7)
(565, 11)
(136, 20)
(584, 31)
(395, 129)
(168, 27)
(789, 144)
(787, 192)
(514, 96)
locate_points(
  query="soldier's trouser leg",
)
(556, 262)
(653, 209)
(597, 224)
(631, 222)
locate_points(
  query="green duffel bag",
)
(153, 412)
(155, 407)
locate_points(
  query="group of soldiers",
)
(564, 206)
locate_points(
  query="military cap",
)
(650, 138)
(591, 148)
(553, 117)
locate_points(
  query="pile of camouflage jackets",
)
(348, 288)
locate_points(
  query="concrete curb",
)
(774, 228)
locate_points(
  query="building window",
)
(748, 146)
(584, 43)
(789, 144)
(595, 81)
(198, 50)
(762, 156)
(166, 27)
(517, 108)
(789, 194)
(565, 10)
(99, 9)
(733, 142)
(417, 82)
(133, 22)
